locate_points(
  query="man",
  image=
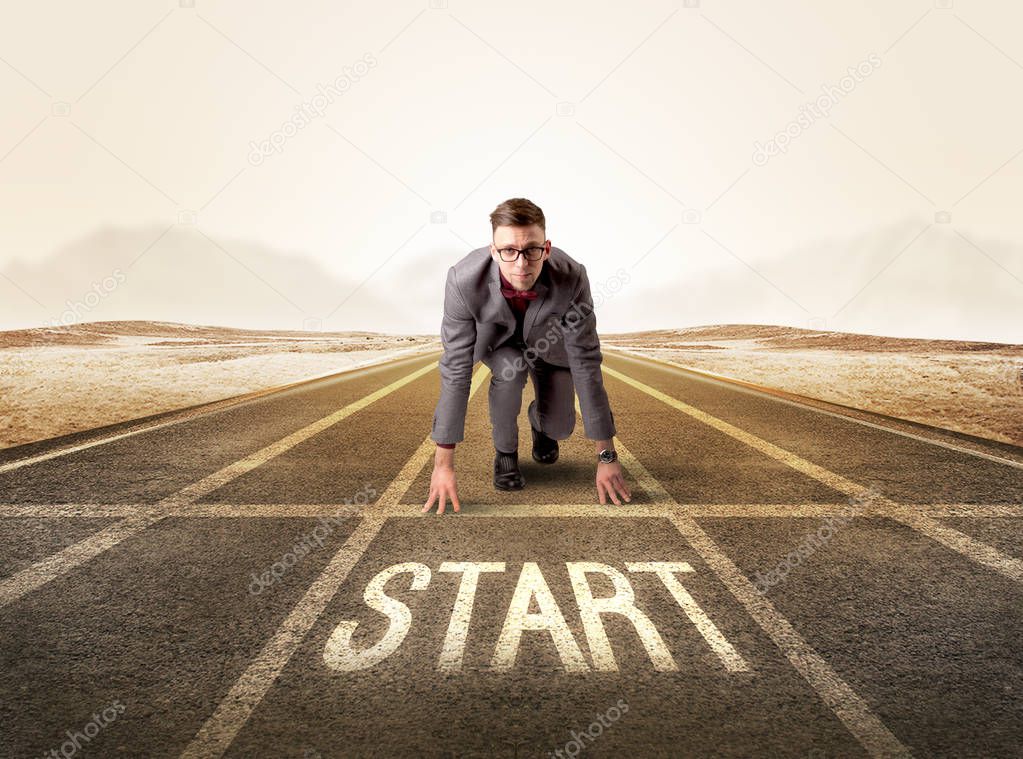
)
(522, 307)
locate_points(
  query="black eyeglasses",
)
(508, 255)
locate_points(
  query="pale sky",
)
(127, 167)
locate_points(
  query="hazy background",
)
(130, 190)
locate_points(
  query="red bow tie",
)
(510, 292)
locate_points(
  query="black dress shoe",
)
(545, 449)
(506, 471)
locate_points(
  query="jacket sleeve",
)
(582, 346)
(458, 337)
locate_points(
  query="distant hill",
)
(111, 332)
(707, 337)
(788, 338)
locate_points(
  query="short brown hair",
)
(518, 212)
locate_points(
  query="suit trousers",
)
(553, 411)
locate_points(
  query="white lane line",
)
(773, 394)
(40, 573)
(237, 706)
(964, 545)
(217, 733)
(847, 705)
(218, 479)
(72, 510)
(184, 416)
(529, 510)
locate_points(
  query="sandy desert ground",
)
(60, 380)
(971, 387)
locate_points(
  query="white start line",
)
(340, 655)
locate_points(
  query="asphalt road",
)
(259, 581)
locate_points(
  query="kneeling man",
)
(524, 308)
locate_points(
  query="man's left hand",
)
(611, 483)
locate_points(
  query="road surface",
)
(259, 580)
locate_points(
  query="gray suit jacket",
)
(559, 327)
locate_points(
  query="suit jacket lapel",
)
(540, 286)
(504, 313)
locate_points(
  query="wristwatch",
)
(607, 456)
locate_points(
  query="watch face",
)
(608, 456)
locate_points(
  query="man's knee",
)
(558, 425)
(512, 370)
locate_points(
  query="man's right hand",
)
(442, 483)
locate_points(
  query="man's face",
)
(520, 272)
